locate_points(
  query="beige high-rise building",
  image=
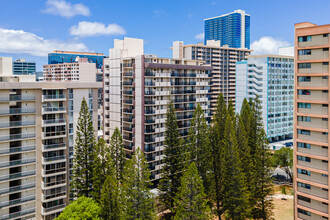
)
(37, 133)
(223, 60)
(137, 90)
(311, 121)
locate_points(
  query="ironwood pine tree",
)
(261, 182)
(117, 153)
(102, 163)
(112, 198)
(173, 161)
(198, 145)
(235, 200)
(190, 201)
(216, 138)
(83, 159)
(139, 201)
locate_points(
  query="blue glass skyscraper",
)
(70, 57)
(231, 29)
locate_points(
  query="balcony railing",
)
(17, 98)
(53, 146)
(17, 162)
(53, 134)
(52, 171)
(18, 111)
(17, 149)
(149, 102)
(17, 136)
(18, 214)
(17, 188)
(50, 209)
(54, 195)
(53, 159)
(16, 123)
(17, 201)
(56, 96)
(17, 175)
(59, 182)
(53, 109)
(53, 121)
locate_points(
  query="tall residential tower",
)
(311, 121)
(231, 29)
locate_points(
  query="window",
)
(325, 63)
(304, 105)
(324, 105)
(305, 38)
(324, 91)
(304, 118)
(325, 133)
(304, 172)
(326, 49)
(303, 145)
(304, 52)
(304, 92)
(304, 78)
(304, 212)
(302, 158)
(325, 175)
(303, 198)
(304, 65)
(325, 35)
(325, 77)
(304, 185)
(324, 119)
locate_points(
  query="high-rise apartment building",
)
(23, 67)
(37, 133)
(311, 121)
(231, 29)
(222, 59)
(270, 77)
(6, 65)
(137, 91)
(79, 71)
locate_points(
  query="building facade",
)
(311, 121)
(37, 133)
(23, 67)
(6, 65)
(137, 91)
(270, 77)
(222, 59)
(231, 29)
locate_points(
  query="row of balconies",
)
(20, 162)
(57, 97)
(17, 188)
(16, 98)
(17, 201)
(17, 175)
(15, 111)
(9, 124)
(17, 149)
(18, 214)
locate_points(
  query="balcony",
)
(149, 121)
(15, 111)
(53, 171)
(51, 147)
(16, 98)
(17, 175)
(53, 159)
(149, 112)
(149, 102)
(127, 128)
(128, 102)
(53, 121)
(47, 211)
(150, 131)
(17, 201)
(128, 119)
(56, 183)
(56, 97)
(17, 149)
(53, 195)
(18, 214)
(17, 162)
(128, 92)
(149, 93)
(17, 136)
(17, 188)
(53, 134)
(16, 124)
(149, 140)
(53, 110)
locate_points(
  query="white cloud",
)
(65, 9)
(88, 29)
(19, 41)
(268, 45)
(200, 36)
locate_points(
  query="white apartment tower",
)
(137, 90)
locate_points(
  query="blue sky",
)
(30, 29)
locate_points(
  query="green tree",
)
(139, 202)
(190, 201)
(173, 161)
(198, 145)
(216, 138)
(111, 202)
(117, 153)
(102, 163)
(82, 208)
(235, 200)
(283, 158)
(83, 158)
(261, 181)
